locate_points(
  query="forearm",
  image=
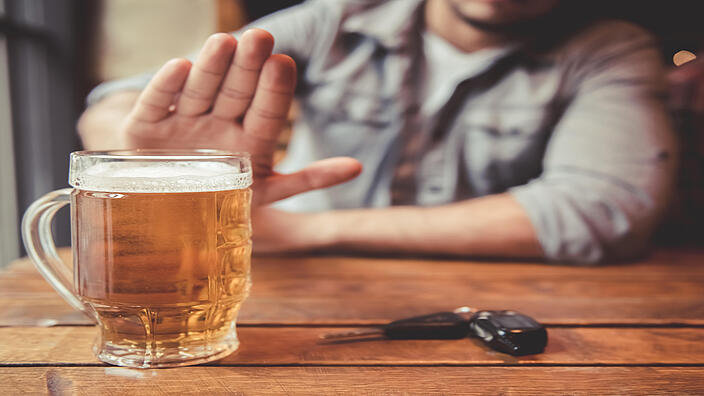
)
(99, 125)
(493, 226)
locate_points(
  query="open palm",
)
(235, 97)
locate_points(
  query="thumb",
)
(319, 174)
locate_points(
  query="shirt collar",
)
(389, 22)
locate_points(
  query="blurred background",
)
(52, 52)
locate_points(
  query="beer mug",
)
(161, 245)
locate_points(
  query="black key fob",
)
(437, 326)
(509, 332)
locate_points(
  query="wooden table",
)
(617, 329)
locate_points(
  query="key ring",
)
(465, 311)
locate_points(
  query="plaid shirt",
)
(579, 135)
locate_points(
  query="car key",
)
(439, 325)
(509, 332)
(504, 331)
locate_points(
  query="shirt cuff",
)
(565, 232)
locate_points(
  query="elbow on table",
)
(626, 236)
(630, 246)
(577, 226)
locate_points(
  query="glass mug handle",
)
(39, 243)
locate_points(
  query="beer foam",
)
(161, 177)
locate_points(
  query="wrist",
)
(102, 125)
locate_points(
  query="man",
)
(480, 134)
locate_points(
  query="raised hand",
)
(235, 97)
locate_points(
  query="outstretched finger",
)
(238, 88)
(267, 114)
(206, 75)
(156, 98)
(320, 174)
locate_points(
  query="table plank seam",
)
(391, 364)
(673, 325)
(625, 325)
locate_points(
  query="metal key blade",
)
(439, 325)
(353, 334)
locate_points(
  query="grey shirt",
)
(579, 135)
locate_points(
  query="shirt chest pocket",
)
(504, 122)
(504, 146)
(333, 103)
(347, 120)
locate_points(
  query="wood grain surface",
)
(353, 380)
(303, 346)
(629, 328)
(666, 288)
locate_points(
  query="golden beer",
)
(161, 247)
(165, 272)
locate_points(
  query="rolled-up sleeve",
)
(609, 165)
(296, 31)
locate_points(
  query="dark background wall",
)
(45, 50)
(678, 23)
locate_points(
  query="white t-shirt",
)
(447, 66)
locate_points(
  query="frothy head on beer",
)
(159, 171)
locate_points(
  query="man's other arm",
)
(491, 226)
